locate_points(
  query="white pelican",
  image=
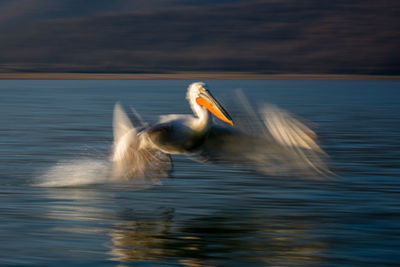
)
(280, 143)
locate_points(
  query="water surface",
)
(203, 215)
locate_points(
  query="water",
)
(58, 134)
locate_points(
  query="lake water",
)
(203, 215)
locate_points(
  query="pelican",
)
(280, 142)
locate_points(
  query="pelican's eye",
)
(202, 90)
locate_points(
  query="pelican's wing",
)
(272, 141)
(288, 130)
(297, 143)
(224, 145)
(133, 155)
(124, 133)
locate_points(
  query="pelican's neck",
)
(202, 120)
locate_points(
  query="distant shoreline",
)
(189, 76)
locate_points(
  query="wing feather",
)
(133, 156)
(271, 140)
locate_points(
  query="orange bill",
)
(215, 109)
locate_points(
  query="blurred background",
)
(57, 205)
(163, 36)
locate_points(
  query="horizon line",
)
(189, 76)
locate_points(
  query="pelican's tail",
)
(133, 156)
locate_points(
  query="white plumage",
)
(277, 144)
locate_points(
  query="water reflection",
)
(141, 239)
(77, 205)
(216, 239)
(160, 234)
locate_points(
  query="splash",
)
(78, 172)
(88, 172)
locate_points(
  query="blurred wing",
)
(124, 133)
(133, 156)
(297, 142)
(272, 141)
(287, 130)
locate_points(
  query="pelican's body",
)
(185, 133)
(145, 152)
(172, 134)
(175, 136)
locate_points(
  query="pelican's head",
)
(201, 99)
